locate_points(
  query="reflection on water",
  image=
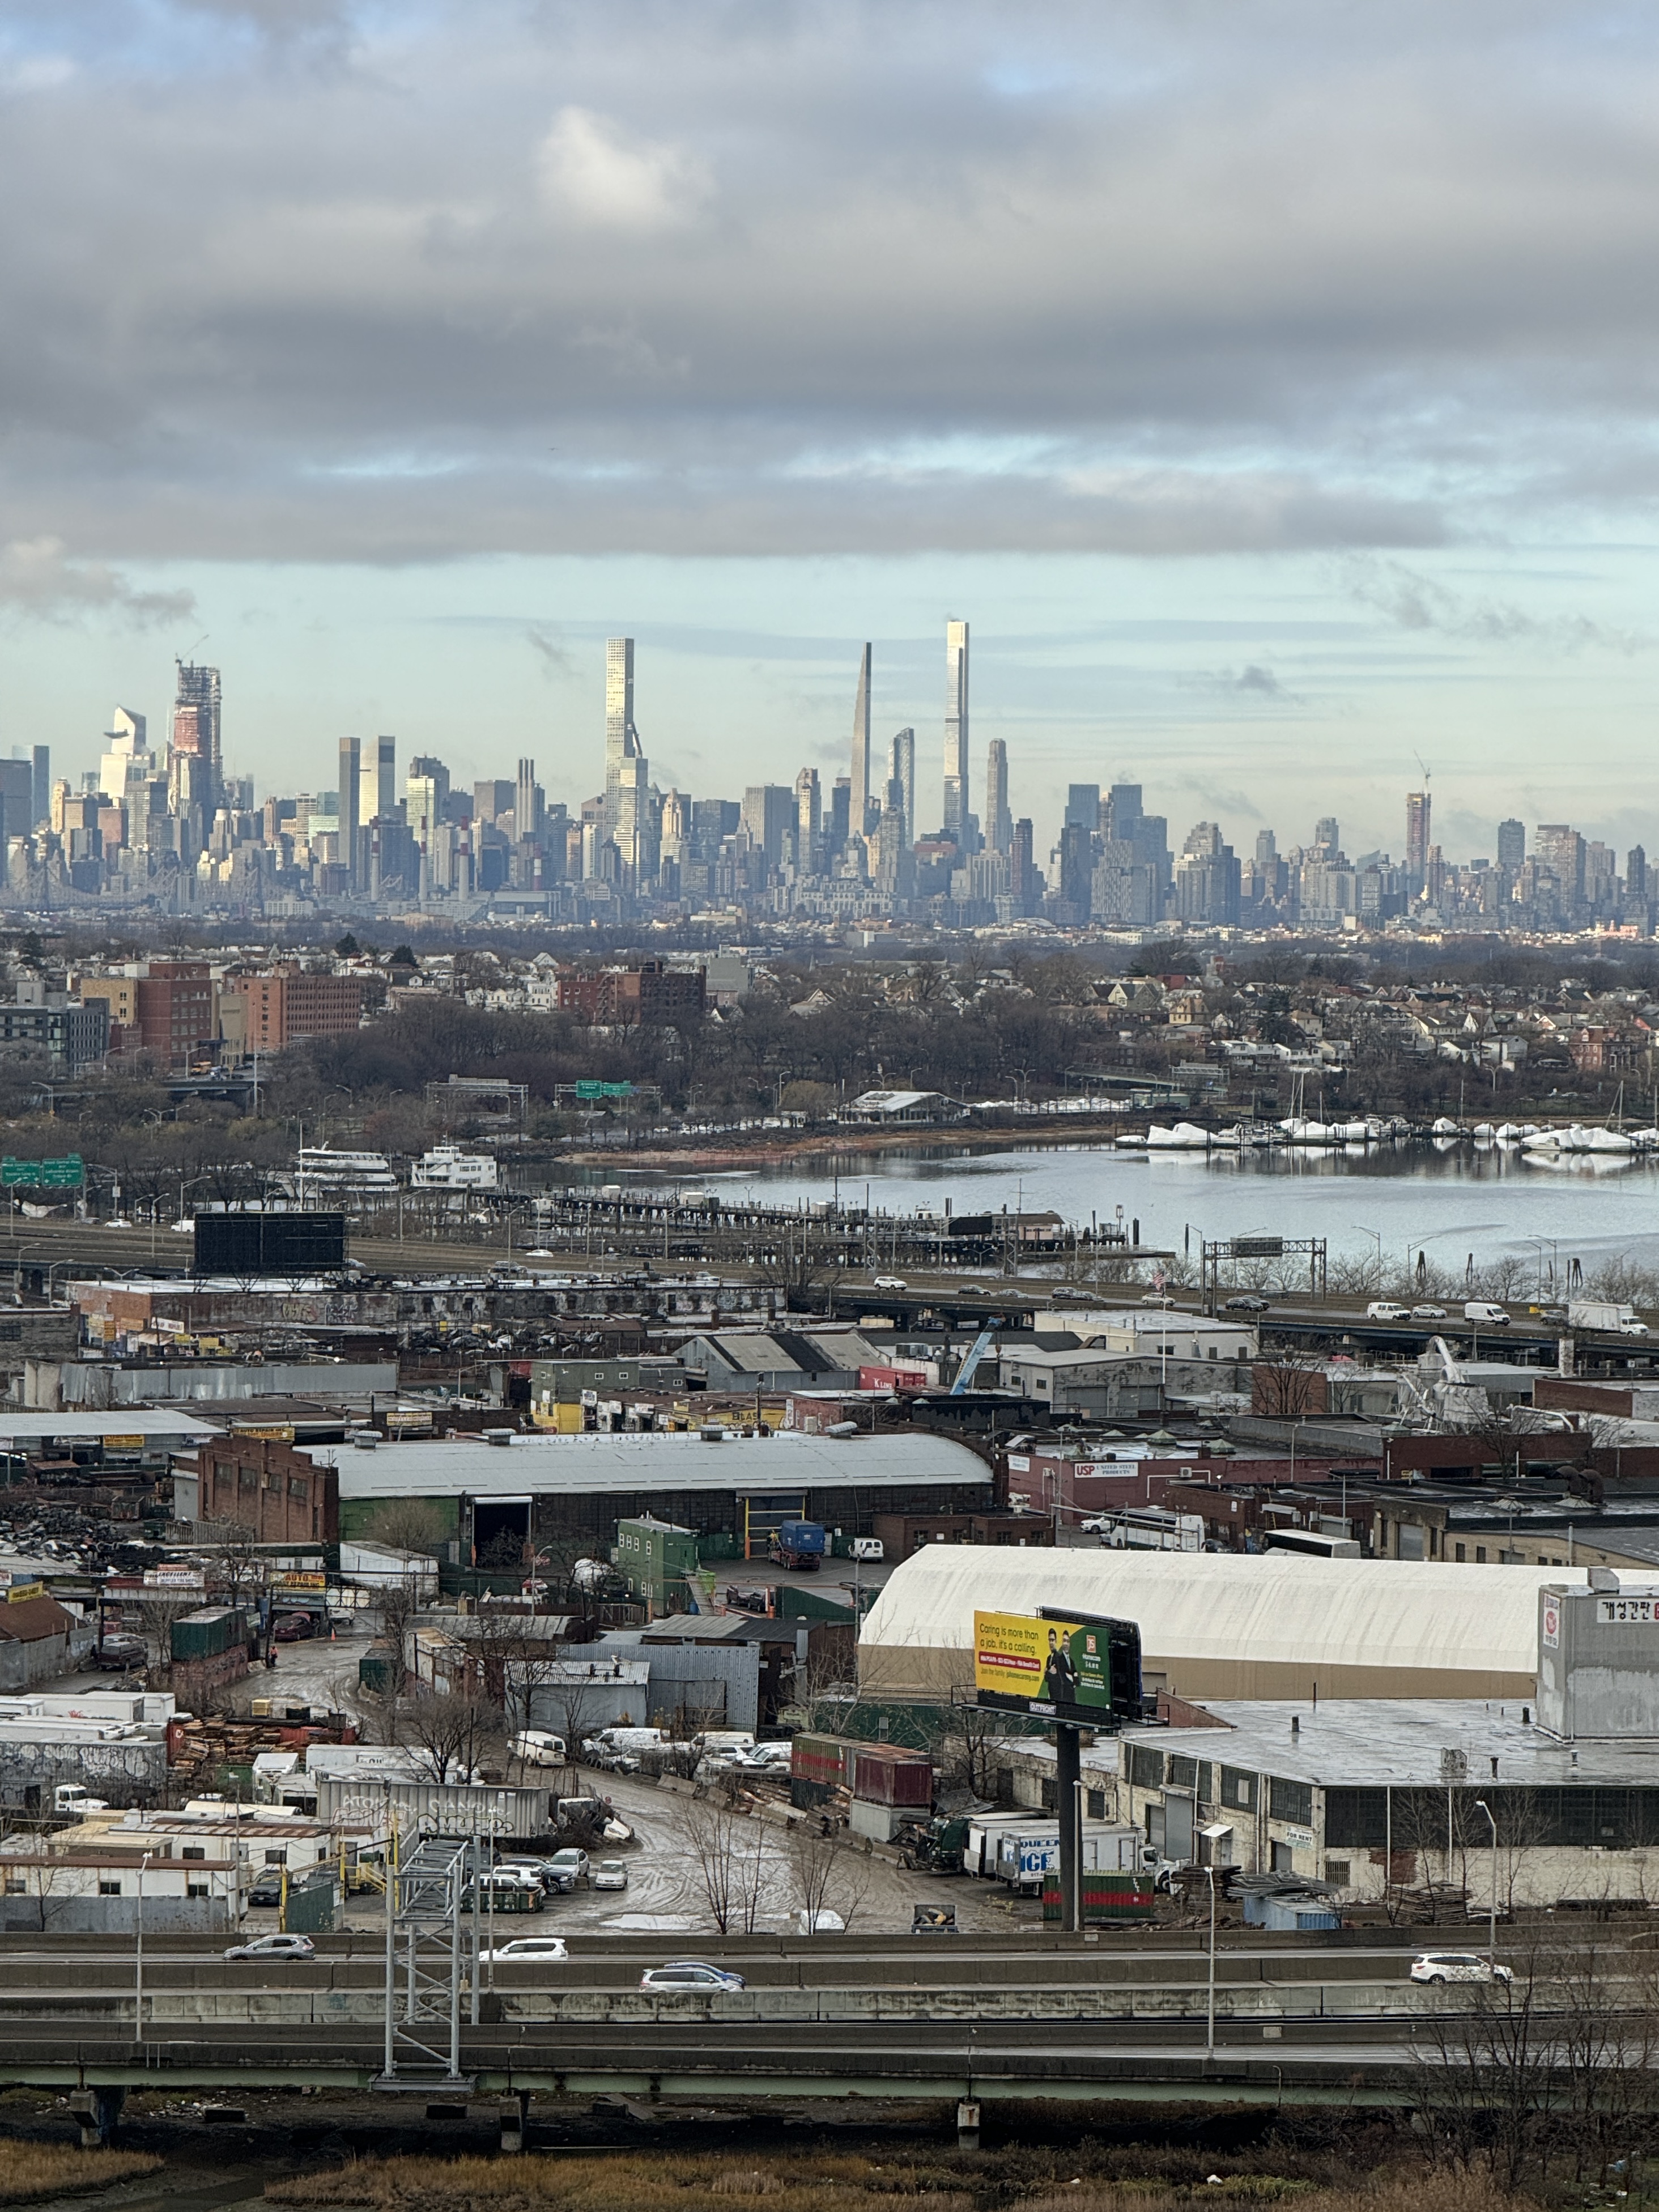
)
(1448, 1200)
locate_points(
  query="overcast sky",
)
(1271, 385)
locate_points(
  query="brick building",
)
(626, 997)
(288, 1003)
(262, 1484)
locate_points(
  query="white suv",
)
(1458, 1966)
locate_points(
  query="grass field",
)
(30, 2171)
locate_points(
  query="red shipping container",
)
(883, 1776)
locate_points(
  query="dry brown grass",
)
(808, 2181)
(29, 2171)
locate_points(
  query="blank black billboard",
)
(269, 1243)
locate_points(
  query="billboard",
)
(1086, 1671)
(269, 1243)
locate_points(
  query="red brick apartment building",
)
(627, 997)
(288, 1004)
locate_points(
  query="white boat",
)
(1442, 1127)
(1185, 1137)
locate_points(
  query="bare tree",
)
(455, 1731)
(729, 1848)
(827, 1875)
(1288, 1387)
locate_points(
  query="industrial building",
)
(572, 1490)
(1218, 1625)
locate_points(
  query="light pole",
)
(1491, 1921)
(1209, 2008)
(138, 1981)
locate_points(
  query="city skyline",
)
(722, 331)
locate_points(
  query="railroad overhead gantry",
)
(1228, 1251)
(432, 1949)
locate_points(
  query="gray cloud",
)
(38, 579)
(555, 662)
(1251, 682)
(822, 277)
(1422, 602)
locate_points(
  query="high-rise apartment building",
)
(1417, 839)
(1512, 844)
(40, 783)
(524, 807)
(1022, 868)
(377, 783)
(955, 731)
(1558, 848)
(998, 822)
(768, 815)
(860, 763)
(351, 785)
(1083, 807)
(807, 836)
(622, 738)
(904, 767)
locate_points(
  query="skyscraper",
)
(524, 809)
(998, 822)
(956, 729)
(351, 784)
(626, 787)
(196, 721)
(806, 822)
(860, 799)
(385, 777)
(904, 767)
(1417, 839)
(41, 791)
(1512, 844)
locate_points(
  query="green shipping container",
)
(207, 1632)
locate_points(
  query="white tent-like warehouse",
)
(1226, 1624)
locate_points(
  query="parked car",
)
(1387, 1309)
(527, 1951)
(1246, 1302)
(527, 1869)
(293, 1628)
(268, 1888)
(274, 1946)
(1441, 1966)
(610, 1874)
(761, 1759)
(567, 1867)
(694, 1974)
(1428, 1313)
(116, 1652)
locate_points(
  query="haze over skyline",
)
(1272, 390)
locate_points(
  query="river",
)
(1448, 1201)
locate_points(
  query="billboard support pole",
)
(1068, 1773)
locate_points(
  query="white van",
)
(868, 1547)
(538, 1747)
(1485, 1314)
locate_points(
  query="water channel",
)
(1447, 1199)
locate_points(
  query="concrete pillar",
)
(967, 2125)
(98, 2112)
(514, 2113)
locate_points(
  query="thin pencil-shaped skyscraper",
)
(956, 729)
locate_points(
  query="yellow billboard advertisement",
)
(1083, 1670)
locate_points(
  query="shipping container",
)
(1107, 1896)
(884, 1775)
(448, 1808)
(207, 1633)
(817, 1759)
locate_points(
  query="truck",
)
(799, 1545)
(1619, 1319)
(1021, 1850)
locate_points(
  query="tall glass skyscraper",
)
(956, 729)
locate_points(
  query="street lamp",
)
(1209, 2009)
(139, 1982)
(1492, 1923)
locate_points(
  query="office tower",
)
(806, 822)
(768, 811)
(494, 797)
(1559, 848)
(1266, 849)
(955, 731)
(1512, 844)
(838, 824)
(860, 799)
(1417, 838)
(1082, 807)
(524, 805)
(1021, 872)
(41, 792)
(904, 767)
(998, 822)
(1077, 867)
(1636, 876)
(1327, 840)
(1121, 810)
(196, 720)
(377, 782)
(351, 785)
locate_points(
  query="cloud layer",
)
(373, 284)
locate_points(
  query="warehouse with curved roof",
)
(1224, 1624)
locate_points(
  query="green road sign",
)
(49, 1174)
